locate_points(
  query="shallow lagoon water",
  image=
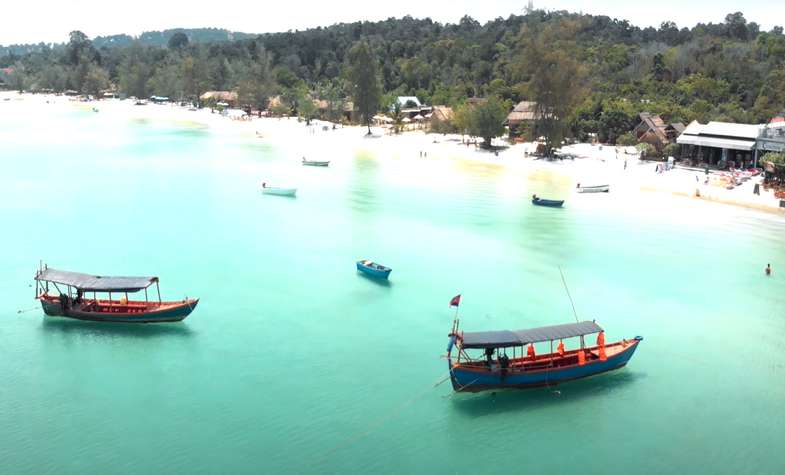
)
(295, 363)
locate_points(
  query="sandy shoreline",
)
(627, 175)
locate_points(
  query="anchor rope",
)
(379, 422)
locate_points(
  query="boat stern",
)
(51, 307)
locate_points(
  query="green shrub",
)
(648, 150)
(626, 139)
(672, 150)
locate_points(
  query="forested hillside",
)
(148, 38)
(599, 72)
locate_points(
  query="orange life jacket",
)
(530, 351)
(560, 348)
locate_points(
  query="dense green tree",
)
(554, 77)
(18, 79)
(462, 119)
(194, 75)
(134, 73)
(167, 81)
(486, 120)
(96, 80)
(178, 40)
(79, 48)
(256, 83)
(627, 139)
(306, 108)
(363, 81)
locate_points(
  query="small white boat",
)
(593, 189)
(316, 163)
(278, 191)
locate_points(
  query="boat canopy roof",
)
(507, 338)
(96, 283)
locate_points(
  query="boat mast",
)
(158, 289)
(564, 281)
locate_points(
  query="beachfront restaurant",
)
(720, 144)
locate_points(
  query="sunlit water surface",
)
(295, 363)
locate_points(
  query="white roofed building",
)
(721, 144)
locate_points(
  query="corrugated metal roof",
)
(96, 283)
(703, 141)
(507, 338)
(728, 129)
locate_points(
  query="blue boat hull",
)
(481, 379)
(379, 274)
(548, 203)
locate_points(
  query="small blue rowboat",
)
(537, 201)
(373, 269)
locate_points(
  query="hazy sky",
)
(51, 20)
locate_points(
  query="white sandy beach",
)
(593, 165)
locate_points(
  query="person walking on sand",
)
(768, 269)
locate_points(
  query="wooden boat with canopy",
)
(507, 359)
(89, 297)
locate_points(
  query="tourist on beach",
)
(768, 269)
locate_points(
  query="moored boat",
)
(278, 191)
(74, 300)
(316, 163)
(537, 201)
(493, 368)
(593, 189)
(373, 269)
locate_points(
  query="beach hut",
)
(214, 97)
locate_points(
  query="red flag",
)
(455, 301)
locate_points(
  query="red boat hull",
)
(119, 312)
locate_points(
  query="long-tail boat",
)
(493, 368)
(82, 296)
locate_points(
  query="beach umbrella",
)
(419, 117)
(406, 120)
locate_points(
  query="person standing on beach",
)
(768, 269)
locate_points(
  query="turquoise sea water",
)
(294, 363)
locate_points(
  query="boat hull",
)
(133, 312)
(594, 189)
(548, 203)
(280, 191)
(465, 379)
(315, 164)
(373, 272)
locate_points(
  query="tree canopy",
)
(588, 74)
(363, 82)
